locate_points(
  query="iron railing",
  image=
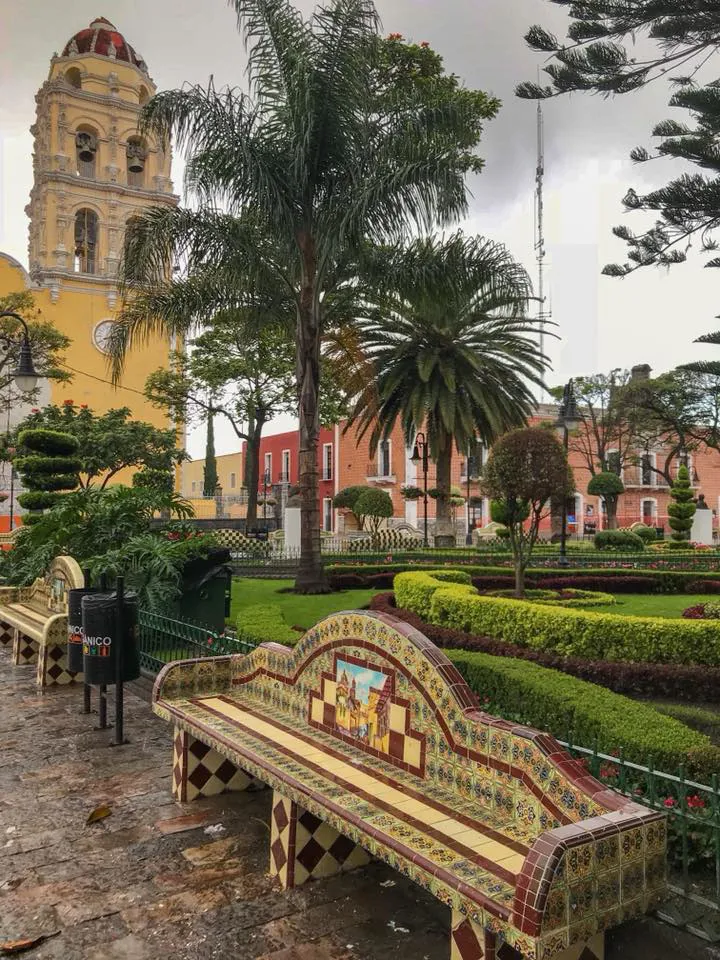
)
(163, 640)
(693, 811)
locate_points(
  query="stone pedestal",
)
(292, 528)
(701, 531)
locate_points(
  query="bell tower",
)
(92, 169)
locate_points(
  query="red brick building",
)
(344, 460)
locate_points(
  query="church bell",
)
(86, 146)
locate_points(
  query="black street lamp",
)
(469, 467)
(568, 420)
(420, 455)
(26, 376)
(266, 484)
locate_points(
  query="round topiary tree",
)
(347, 498)
(609, 486)
(48, 467)
(373, 506)
(682, 511)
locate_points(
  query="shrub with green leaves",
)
(580, 633)
(682, 510)
(622, 540)
(647, 534)
(560, 704)
(48, 466)
(264, 623)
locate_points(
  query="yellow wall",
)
(228, 464)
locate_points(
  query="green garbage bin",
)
(206, 590)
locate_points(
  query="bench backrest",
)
(63, 574)
(380, 685)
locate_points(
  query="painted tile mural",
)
(362, 703)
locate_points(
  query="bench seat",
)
(375, 747)
(34, 620)
(377, 802)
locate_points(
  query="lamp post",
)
(420, 455)
(469, 466)
(26, 378)
(266, 483)
(568, 419)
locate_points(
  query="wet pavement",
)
(157, 879)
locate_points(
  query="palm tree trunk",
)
(252, 471)
(311, 577)
(444, 527)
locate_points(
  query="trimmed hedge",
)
(609, 580)
(563, 598)
(671, 681)
(570, 632)
(552, 701)
(262, 623)
(623, 540)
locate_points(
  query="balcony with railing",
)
(380, 471)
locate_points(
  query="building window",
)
(86, 146)
(136, 157)
(614, 463)
(327, 514)
(268, 467)
(647, 474)
(73, 78)
(232, 481)
(86, 231)
(285, 469)
(327, 461)
(385, 458)
(648, 512)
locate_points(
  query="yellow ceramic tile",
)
(330, 692)
(412, 808)
(397, 718)
(450, 828)
(317, 711)
(411, 752)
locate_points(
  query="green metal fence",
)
(693, 811)
(163, 640)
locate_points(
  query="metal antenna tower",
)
(544, 312)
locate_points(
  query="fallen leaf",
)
(11, 884)
(20, 946)
(99, 813)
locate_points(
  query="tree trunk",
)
(611, 504)
(444, 527)
(252, 471)
(311, 577)
(519, 578)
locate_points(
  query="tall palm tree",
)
(449, 349)
(311, 159)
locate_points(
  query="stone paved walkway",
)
(157, 879)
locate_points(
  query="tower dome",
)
(103, 39)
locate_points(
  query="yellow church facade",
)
(92, 172)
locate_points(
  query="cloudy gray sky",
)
(650, 317)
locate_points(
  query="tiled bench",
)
(34, 621)
(374, 746)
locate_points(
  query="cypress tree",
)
(210, 474)
(682, 511)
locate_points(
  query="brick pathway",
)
(149, 882)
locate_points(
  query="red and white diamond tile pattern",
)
(303, 847)
(25, 649)
(200, 771)
(593, 949)
(52, 666)
(6, 634)
(468, 941)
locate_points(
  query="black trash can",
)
(101, 643)
(206, 589)
(75, 630)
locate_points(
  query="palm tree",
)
(316, 159)
(449, 348)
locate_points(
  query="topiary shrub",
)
(48, 466)
(373, 506)
(618, 540)
(682, 511)
(610, 487)
(646, 534)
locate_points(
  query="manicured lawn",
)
(653, 605)
(299, 611)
